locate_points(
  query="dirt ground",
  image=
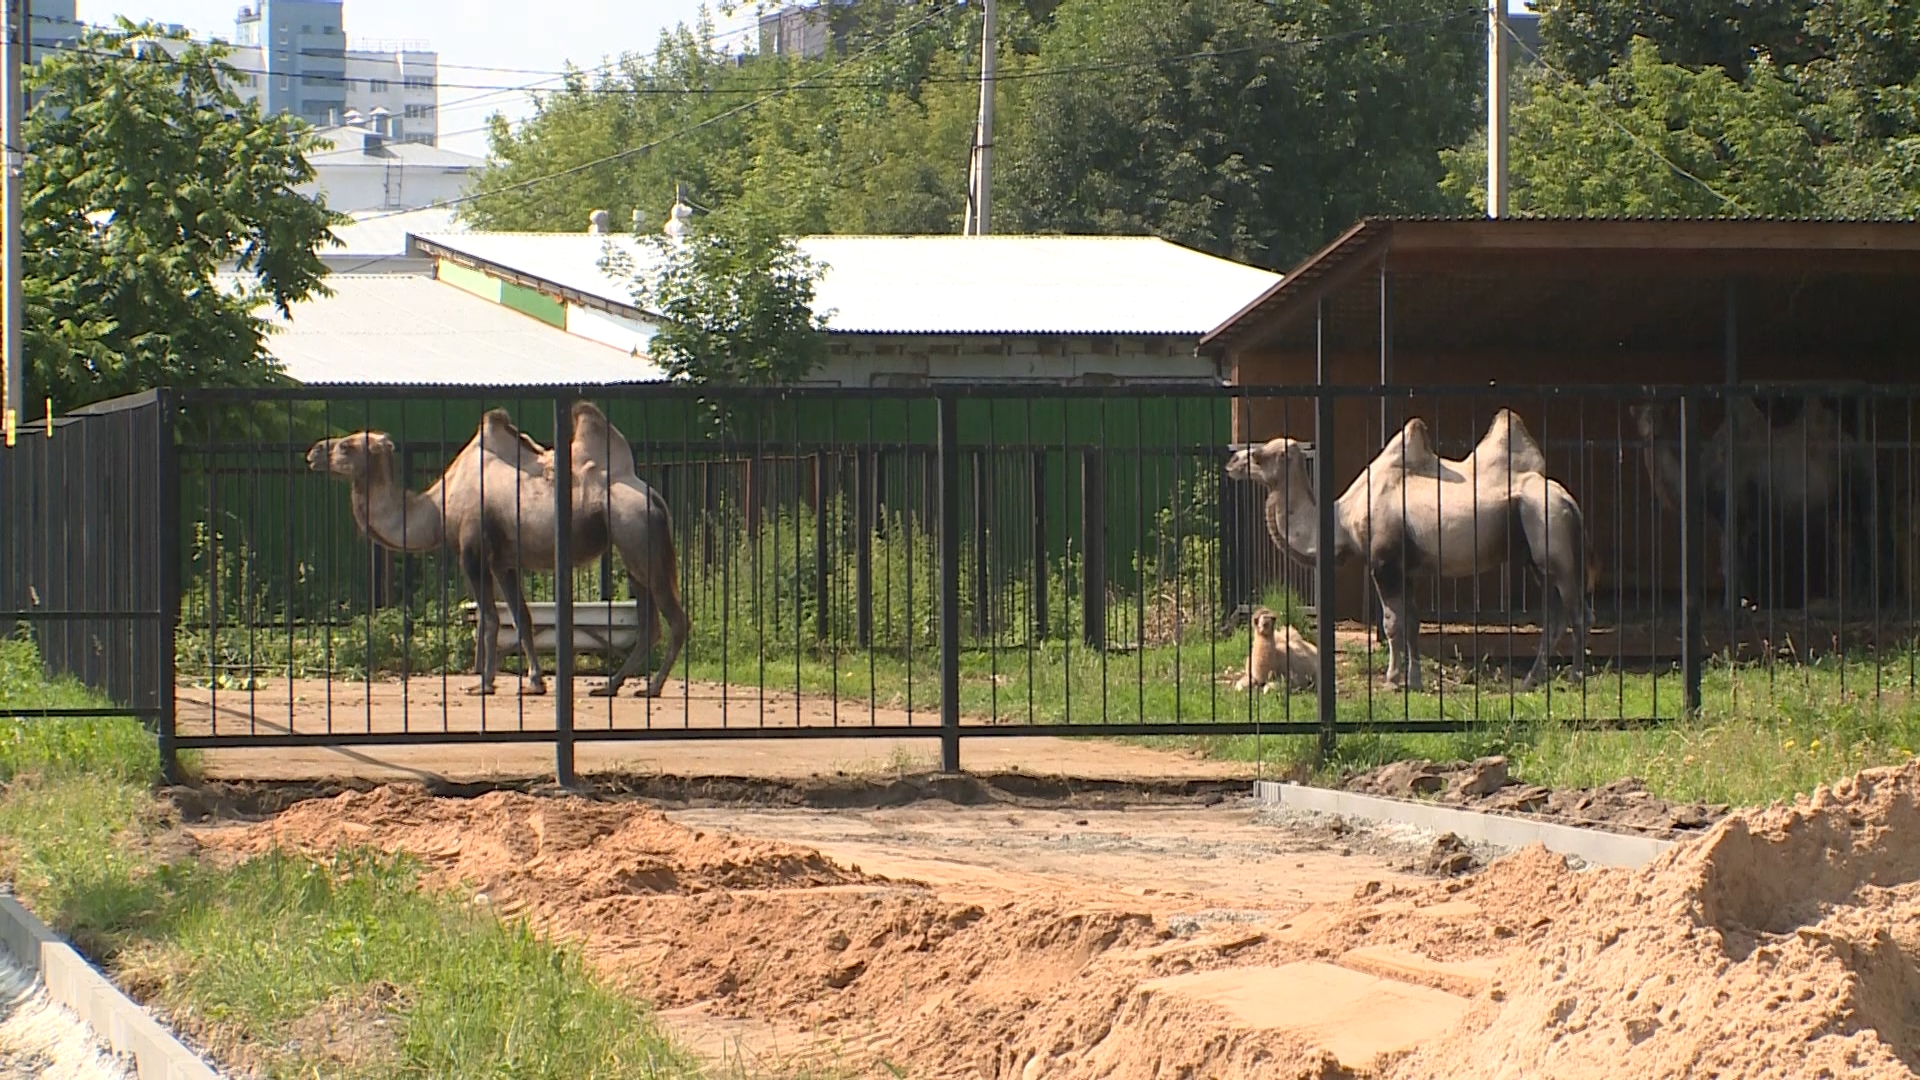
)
(1029, 941)
(384, 706)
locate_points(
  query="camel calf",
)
(1279, 652)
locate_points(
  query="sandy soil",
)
(1025, 943)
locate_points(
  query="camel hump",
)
(1412, 449)
(1509, 447)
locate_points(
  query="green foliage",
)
(736, 300)
(1795, 108)
(1245, 128)
(147, 173)
(1584, 38)
(1248, 138)
(1619, 144)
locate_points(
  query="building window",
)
(419, 112)
(326, 31)
(419, 82)
(379, 86)
(285, 82)
(306, 29)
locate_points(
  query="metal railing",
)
(956, 563)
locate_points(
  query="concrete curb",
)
(122, 1024)
(1501, 830)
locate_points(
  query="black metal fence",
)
(993, 561)
(86, 567)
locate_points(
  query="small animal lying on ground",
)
(1279, 652)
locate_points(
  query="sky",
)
(485, 35)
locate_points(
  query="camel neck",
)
(397, 518)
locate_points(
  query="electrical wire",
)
(1632, 136)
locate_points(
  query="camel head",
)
(1267, 462)
(354, 456)
(1264, 620)
(1649, 418)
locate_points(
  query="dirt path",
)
(431, 705)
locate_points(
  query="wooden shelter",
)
(1569, 321)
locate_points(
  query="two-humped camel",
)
(494, 507)
(1788, 480)
(1414, 512)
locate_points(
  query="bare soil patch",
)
(1139, 941)
(1622, 806)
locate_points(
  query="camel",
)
(1412, 511)
(1787, 481)
(493, 505)
(642, 531)
(1278, 653)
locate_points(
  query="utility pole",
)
(1496, 108)
(980, 180)
(10, 87)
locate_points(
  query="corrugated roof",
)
(349, 149)
(943, 284)
(409, 330)
(385, 232)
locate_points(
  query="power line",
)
(1632, 136)
(815, 83)
(644, 147)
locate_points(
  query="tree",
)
(1653, 138)
(1585, 38)
(735, 298)
(1250, 129)
(145, 173)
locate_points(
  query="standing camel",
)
(1413, 512)
(493, 505)
(1795, 484)
(642, 529)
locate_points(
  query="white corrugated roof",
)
(384, 232)
(948, 284)
(349, 148)
(405, 329)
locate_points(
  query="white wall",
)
(890, 359)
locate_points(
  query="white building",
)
(914, 310)
(293, 57)
(367, 169)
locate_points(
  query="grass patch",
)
(291, 967)
(1761, 735)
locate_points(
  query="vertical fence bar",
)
(1693, 551)
(1729, 528)
(949, 451)
(1037, 480)
(822, 601)
(982, 583)
(1093, 549)
(562, 590)
(167, 550)
(865, 498)
(1325, 591)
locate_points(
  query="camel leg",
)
(1403, 664)
(536, 684)
(642, 644)
(487, 624)
(1552, 625)
(667, 599)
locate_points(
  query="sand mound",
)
(520, 849)
(1781, 944)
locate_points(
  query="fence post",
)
(1693, 550)
(822, 586)
(1093, 549)
(563, 589)
(1325, 585)
(167, 548)
(949, 451)
(864, 499)
(1038, 481)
